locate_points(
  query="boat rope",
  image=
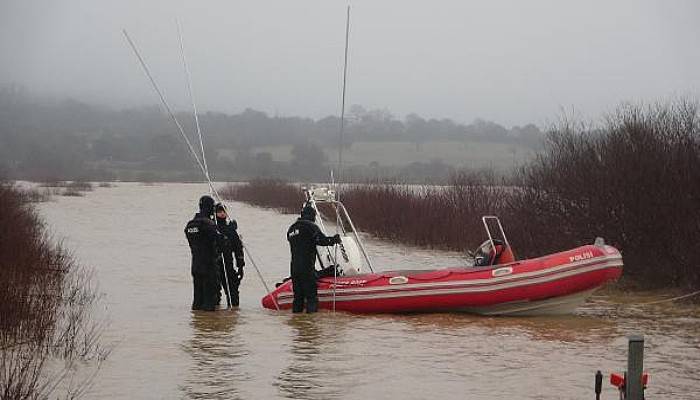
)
(191, 148)
(685, 296)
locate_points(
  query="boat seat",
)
(505, 256)
(488, 256)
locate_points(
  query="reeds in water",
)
(77, 188)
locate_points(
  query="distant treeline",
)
(49, 139)
(635, 181)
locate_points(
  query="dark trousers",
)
(233, 283)
(305, 290)
(205, 288)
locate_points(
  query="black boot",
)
(234, 298)
(312, 306)
(298, 306)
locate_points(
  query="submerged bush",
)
(635, 181)
(45, 309)
(80, 186)
(269, 193)
(445, 217)
(33, 194)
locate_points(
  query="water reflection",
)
(310, 373)
(216, 351)
(572, 329)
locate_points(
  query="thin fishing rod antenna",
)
(335, 250)
(342, 107)
(337, 217)
(166, 106)
(188, 76)
(189, 145)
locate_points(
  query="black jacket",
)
(303, 237)
(205, 243)
(232, 241)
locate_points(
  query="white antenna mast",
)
(165, 104)
(342, 107)
(201, 141)
(191, 93)
(340, 147)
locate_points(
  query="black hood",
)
(206, 205)
(308, 213)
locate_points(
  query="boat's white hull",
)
(554, 306)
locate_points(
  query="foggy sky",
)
(513, 62)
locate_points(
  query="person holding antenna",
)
(232, 249)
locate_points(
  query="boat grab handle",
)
(398, 280)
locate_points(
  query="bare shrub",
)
(32, 194)
(268, 193)
(69, 192)
(635, 181)
(77, 188)
(47, 330)
(53, 183)
(81, 186)
(445, 217)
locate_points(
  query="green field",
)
(456, 153)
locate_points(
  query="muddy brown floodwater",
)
(132, 236)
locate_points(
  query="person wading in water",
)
(233, 248)
(303, 236)
(205, 243)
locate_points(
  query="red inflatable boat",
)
(497, 284)
(554, 284)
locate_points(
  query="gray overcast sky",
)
(513, 62)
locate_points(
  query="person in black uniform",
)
(205, 242)
(303, 236)
(233, 248)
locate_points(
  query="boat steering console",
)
(493, 251)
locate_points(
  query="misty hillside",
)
(64, 139)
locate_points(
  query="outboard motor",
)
(498, 254)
